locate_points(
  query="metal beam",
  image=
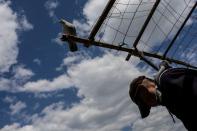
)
(129, 50)
(144, 26)
(146, 23)
(180, 29)
(101, 19)
(150, 63)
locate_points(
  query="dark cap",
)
(133, 91)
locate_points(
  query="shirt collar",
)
(158, 96)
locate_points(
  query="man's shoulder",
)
(172, 80)
(177, 72)
(167, 75)
(178, 80)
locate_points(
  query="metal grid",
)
(148, 29)
(124, 22)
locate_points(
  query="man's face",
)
(147, 92)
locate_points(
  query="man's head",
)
(143, 93)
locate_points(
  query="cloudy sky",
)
(44, 87)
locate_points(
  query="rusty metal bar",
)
(129, 50)
(179, 31)
(150, 63)
(101, 19)
(144, 26)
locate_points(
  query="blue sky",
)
(43, 86)
(38, 53)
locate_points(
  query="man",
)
(174, 88)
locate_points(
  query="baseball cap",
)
(133, 92)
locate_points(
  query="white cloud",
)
(16, 127)
(57, 39)
(20, 76)
(189, 54)
(24, 24)
(106, 106)
(73, 58)
(93, 9)
(8, 48)
(82, 28)
(17, 107)
(45, 85)
(10, 23)
(8, 99)
(37, 61)
(5, 84)
(158, 120)
(22, 73)
(69, 79)
(51, 5)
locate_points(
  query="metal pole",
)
(144, 26)
(132, 51)
(150, 63)
(101, 19)
(146, 23)
(179, 31)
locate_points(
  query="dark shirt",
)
(179, 94)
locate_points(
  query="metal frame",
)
(101, 19)
(146, 23)
(141, 33)
(180, 29)
(134, 51)
(129, 50)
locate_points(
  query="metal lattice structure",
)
(148, 29)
